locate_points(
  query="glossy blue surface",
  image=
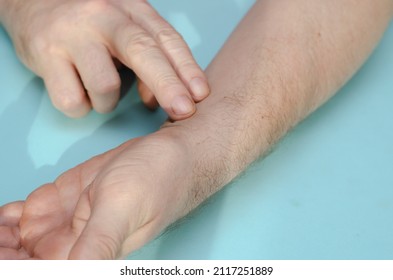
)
(325, 192)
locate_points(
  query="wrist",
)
(216, 147)
(173, 164)
(199, 160)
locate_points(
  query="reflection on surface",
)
(17, 170)
(20, 171)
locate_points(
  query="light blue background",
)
(326, 191)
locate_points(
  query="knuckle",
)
(169, 36)
(189, 65)
(166, 82)
(47, 40)
(96, 6)
(40, 44)
(142, 6)
(140, 44)
(68, 102)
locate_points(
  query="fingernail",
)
(182, 105)
(199, 88)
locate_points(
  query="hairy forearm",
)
(283, 61)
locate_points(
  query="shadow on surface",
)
(18, 172)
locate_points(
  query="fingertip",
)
(105, 94)
(99, 76)
(65, 88)
(72, 106)
(199, 88)
(107, 103)
(182, 107)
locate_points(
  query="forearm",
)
(283, 61)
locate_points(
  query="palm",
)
(43, 228)
(46, 225)
(103, 208)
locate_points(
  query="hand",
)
(72, 45)
(104, 208)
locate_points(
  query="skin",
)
(284, 60)
(76, 46)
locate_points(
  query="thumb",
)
(102, 227)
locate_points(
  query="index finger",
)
(174, 47)
(139, 51)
